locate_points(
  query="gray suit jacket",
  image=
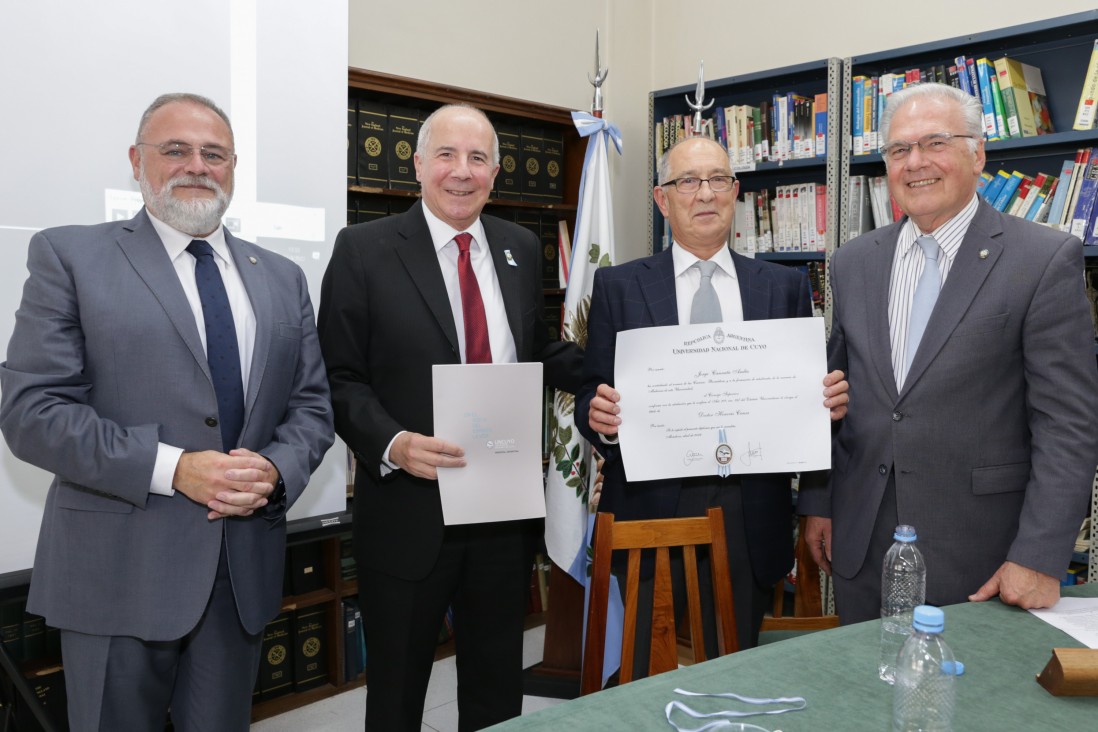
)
(104, 363)
(993, 438)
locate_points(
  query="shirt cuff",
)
(387, 466)
(167, 459)
(608, 440)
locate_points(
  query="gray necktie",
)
(705, 308)
(926, 294)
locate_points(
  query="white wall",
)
(543, 49)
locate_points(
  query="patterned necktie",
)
(705, 308)
(926, 294)
(477, 347)
(222, 352)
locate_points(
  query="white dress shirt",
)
(725, 282)
(500, 337)
(175, 244)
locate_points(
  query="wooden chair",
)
(808, 614)
(658, 534)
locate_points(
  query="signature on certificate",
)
(691, 457)
(751, 454)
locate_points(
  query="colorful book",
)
(1085, 113)
(1007, 191)
(997, 101)
(857, 105)
(1083, 212)
(1056, 208)
(820, 114)
(1026, 83)
(984, 72)
(991, 191)
(962, 75)
(1082, 159)
(1010, 108)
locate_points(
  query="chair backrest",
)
(658, 534)
(808, 613)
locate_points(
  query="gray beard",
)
(194, 217)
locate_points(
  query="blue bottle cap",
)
(928, 619)
(904, 533)
(953, 668)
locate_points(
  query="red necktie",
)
(477, 348)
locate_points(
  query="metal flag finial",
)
(600, 76)
(698, 104)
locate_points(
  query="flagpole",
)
(559, 672)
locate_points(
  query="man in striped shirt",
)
(966, 338)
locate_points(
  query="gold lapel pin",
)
(984, 253)
(253, 260)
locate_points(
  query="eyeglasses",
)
(932, 144)
(177, 152)
(717, 183)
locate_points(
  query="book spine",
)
(1010, 110)
(1084, 207)
(997, 101)
(1007, 191)
(991, 131)
(991, 192)
(962, 75)
(1088, 98)
(857, 102)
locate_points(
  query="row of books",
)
(790, 218)
(294, 653)
(25, 636)
(786, 127)
(381, 143)
(869, 205)
(1066, 201)
(1011, 93)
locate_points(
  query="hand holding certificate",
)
(493, 411)
(722, 399)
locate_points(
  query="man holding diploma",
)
(698, 280)
(440, 284)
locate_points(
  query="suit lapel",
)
(417, 252)
(656, 279)
(965, 279)
(142, 247)
(257, 285)
(508, 276)
(754, 288)
(877, 270)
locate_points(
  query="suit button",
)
(882, 470)
(211, 421)
(897, 416)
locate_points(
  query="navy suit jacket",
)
(641, 294)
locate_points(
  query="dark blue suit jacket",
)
(641, 294)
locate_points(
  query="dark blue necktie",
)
(222, 352)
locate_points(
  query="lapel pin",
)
(510, 260)
(253, 260)
(984, 253)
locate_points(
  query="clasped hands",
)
(234, 484)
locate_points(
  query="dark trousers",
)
(858, 598)
(483, 570)
(751, 600)
(121, 683)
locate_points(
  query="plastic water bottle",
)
(923, 698)
(903, 588)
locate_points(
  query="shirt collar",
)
(442, 233)
(684, 260)
(949, 235)
(176, 242)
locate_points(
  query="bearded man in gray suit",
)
(169, 375)
(973, 390)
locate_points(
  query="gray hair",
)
(663, 169)
(165, 99)
(971, 109)
(424, 139)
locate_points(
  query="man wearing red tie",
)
(440, 284)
